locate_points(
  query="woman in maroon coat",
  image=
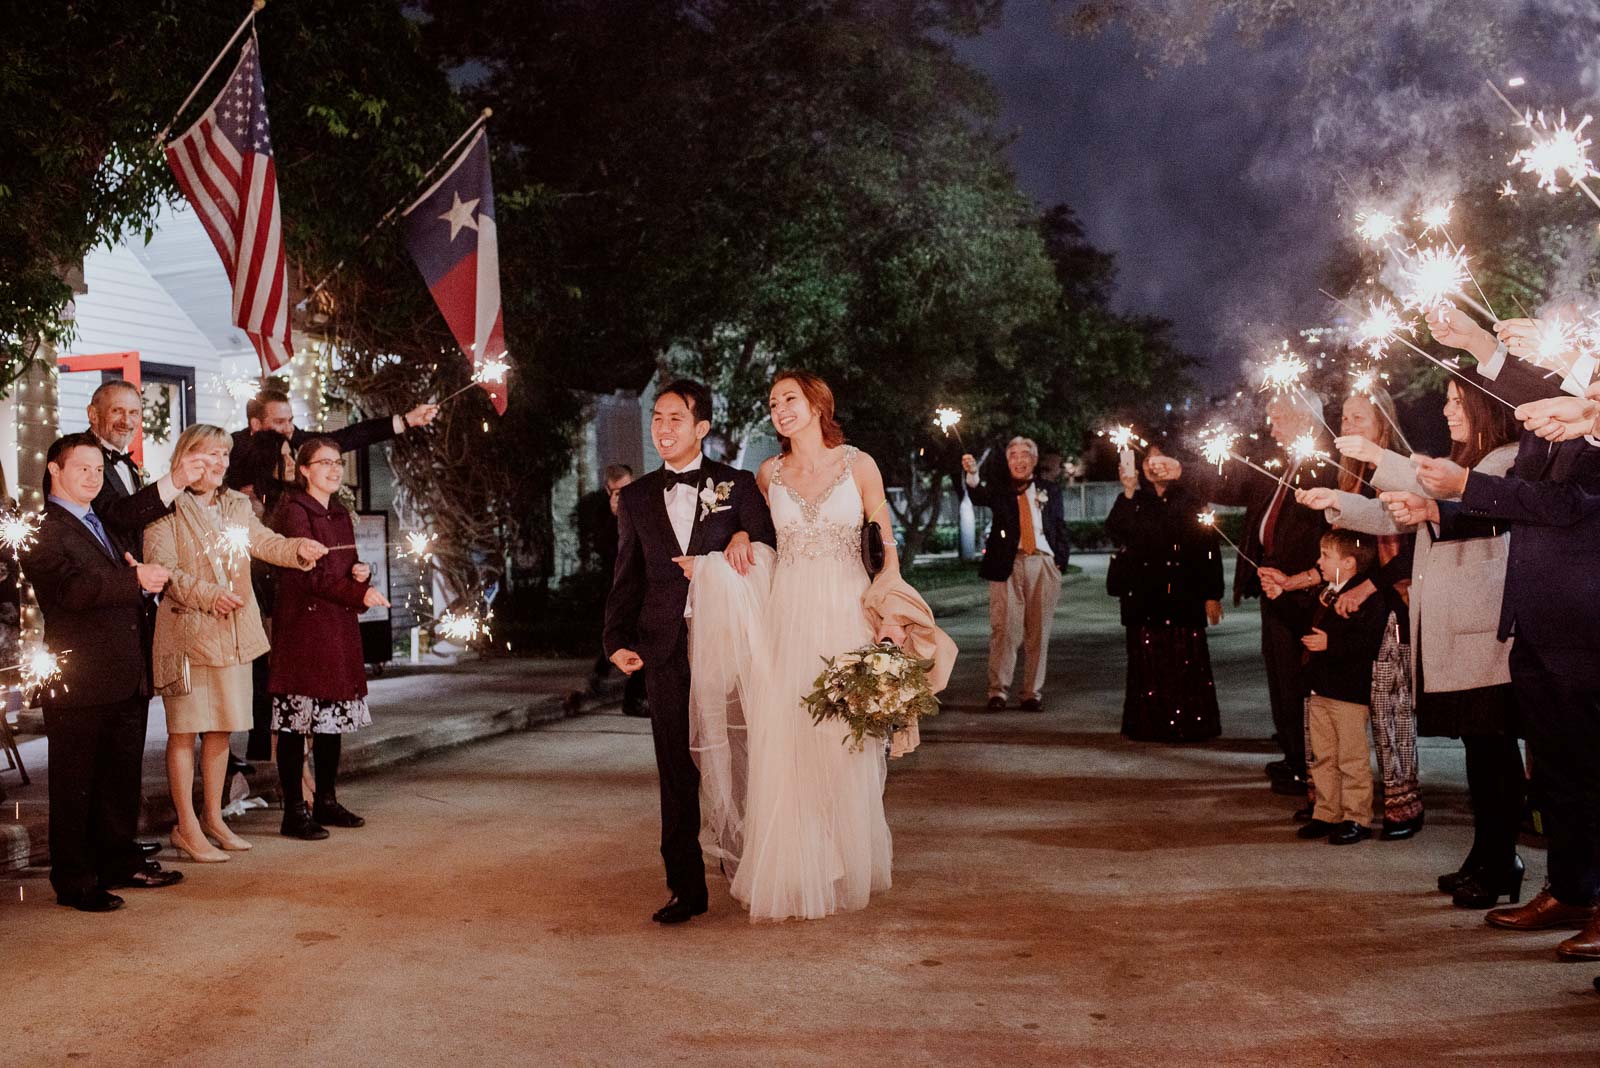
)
(318, 680)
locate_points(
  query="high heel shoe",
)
(206, 854)
(1480, 890)
(227, 839)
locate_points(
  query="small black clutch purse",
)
(872, 555)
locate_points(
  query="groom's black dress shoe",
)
(679, 911)
(150, 876)
(95, 900)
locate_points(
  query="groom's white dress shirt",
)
(681, 502)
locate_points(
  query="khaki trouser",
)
(1341, 765)
(1022, 610)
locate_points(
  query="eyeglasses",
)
(325, 463)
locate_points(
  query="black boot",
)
(1483, 889)
(297, 823)
(330, 813)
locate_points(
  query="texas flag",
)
(450, 233)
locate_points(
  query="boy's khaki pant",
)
(1341, 764)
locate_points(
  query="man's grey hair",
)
(1027, 443)
(1307, 402)
(110, 386)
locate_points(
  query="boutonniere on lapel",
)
(1041, 495)
(714, 497)
(142, 475)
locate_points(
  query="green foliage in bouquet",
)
(875, 690)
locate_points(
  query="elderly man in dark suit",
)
(659, 522)
(1023, 561)
(125, 502)
(96, 600)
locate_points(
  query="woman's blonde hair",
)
(199, 436)
(1351, 472)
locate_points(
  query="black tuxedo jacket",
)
(126, 513)
(1000, 550)
(94, 611)
(1553, 568)
(648, 593)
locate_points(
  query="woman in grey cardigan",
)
(1460, 671)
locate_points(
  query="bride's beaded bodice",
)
(826, 528)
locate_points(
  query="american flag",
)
(224, 165)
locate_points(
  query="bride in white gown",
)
(814, 838)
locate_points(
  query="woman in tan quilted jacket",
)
(208, 630)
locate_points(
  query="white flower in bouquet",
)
(874, 691)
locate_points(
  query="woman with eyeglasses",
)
(318, 678)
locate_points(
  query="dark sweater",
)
(1343, 671)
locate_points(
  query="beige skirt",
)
(218, 700)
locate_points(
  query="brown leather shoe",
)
(1585, 945)
(1543, 912)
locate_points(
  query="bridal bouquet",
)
(875, 690)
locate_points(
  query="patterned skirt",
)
(1170, 694)
(299, 714)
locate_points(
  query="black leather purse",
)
(872, 553)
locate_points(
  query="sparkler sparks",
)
(234, 542)
(1435, 217)
(462, 627)
(419, 544)
(946, 419)
(39, 669)
(1284, 372)
(1123, 437)
(1556, 341)
(18, 531)
(1376, 226)
(1508, 189)
(1209, 519)
(1382, 324)
(1216, 444)
(492, 372)
(1304, 448)
(1432, 276)
(1557, 149)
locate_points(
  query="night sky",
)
(1216, 183)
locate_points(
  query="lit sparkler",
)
(1209, 519)
(1304, 448)
(1123, 437)
(1216, 444)
(1507, 189)
(491, 372)
(419, 544)
(1557, 149)
(18, 531)
(1382, 324)
(1432, 276)
(1555, 343)
(40, 668)
(1376, 226)
(462, 627)
(1363, 381)
(234, 542)
(1284, 372)
(1435, 217)
(948, 419)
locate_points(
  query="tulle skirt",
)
(815, 837)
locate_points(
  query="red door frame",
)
(125, 364)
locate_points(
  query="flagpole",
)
(255, 6)
(405, 201)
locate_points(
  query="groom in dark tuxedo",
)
(690, 506)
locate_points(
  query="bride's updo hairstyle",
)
(820, 399)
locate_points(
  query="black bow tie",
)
(114, 457)
(673, 479)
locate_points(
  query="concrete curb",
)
(24, 844)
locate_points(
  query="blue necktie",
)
(93, 522)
